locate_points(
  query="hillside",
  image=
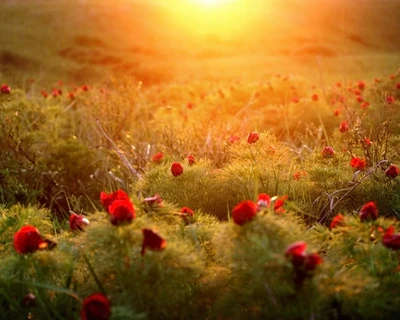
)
(154, 41)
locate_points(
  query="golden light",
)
(211, 2)
(225, 18)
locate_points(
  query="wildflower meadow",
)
(172, 162)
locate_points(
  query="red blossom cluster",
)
(119, 206)
(246, 210)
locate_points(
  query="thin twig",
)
(119, 153)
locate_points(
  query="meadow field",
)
(198, 159)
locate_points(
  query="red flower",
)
(233, 139)
(253, 137)
(315, 97)
(369, 211)
(156, 199)
(5, 89)
(295, 249)
(344, 126)
(244, 212)
(77, 222)
(44, 93)
(191, 160)
(278, 205)
(85, 87)
(263, 201)
(302, 261)
(398, 86)
(390, 99)
(176, 169)
(186, 214)
(392, 171)
(357, 163)
(392, 76)
(368, 142)
(27, 239)
(96, 307)
(365, 105)
(55, 93)
(337, 221)
(152, 241)
(391, 240)
(359, 99)
(357, 92)
(108, 198)
(158, 157)
(328, 152)
(299, 174)
(336, 113)
(185, 211)
(121, 211)
(361, 85)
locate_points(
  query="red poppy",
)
(344, 126)
(367, 142)
(233, 139)
(185, 211)
(337, 221)
(278, 205)
(315, 97)
(158, 157)
(369, 211)
(336, 113)
(357, 163)
(391, 240)
(71, 95)
(108, 198)
(27, 239)
(55, 93)
(44, 93)
(297, 248)
(77, 222)
(263, 201)
(96, 307)
(5, 89)
(244, 212)
(152, 241)
(328, 152)
(390, 99)
(357, 92)
(302, 262)
(176, 169)
(191, 160)
(85, 87)
(398, 86)
(359, 99)
(253, 137)
(186, 214)
(361, 85)
(365, 105)
(392, 171)
(156, 199)
(121, 211)
(299, 174)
